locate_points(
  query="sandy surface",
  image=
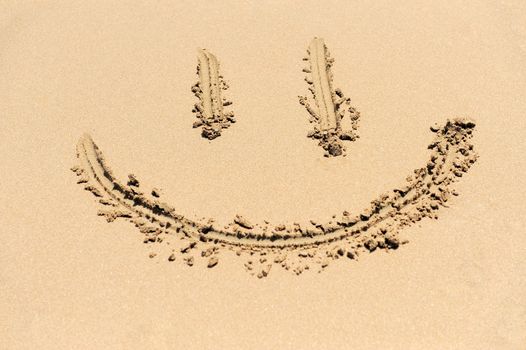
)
(122, 71)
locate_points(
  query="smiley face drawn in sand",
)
(291, 246)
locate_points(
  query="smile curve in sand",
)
(292, 246)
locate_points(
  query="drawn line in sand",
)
(209, 110)
(293, 247)
(328, 106)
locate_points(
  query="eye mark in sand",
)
(293, 247)
(328, 106)
(209, 109)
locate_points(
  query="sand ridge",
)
(209, 110)
(291, 246)
(331, 106)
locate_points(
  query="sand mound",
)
(291, 246)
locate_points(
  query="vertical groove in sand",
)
(294, 247)
(331, 106)
(319, 66)
(210, 108)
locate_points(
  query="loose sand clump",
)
(293, 247)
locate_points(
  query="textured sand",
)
(294, 246)
(208, 89)
(329, 108)
(122, 73)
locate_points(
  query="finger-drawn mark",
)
(328, 105)
(292, 246)
(209, 110)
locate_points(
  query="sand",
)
(209, 109)
(294, 246)
(332, 108)
(199, 220)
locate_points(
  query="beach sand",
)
(122, 72)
